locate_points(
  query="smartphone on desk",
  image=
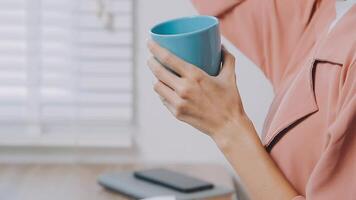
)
(174, 180)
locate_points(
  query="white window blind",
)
(66, 74)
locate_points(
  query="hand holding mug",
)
(208, 103)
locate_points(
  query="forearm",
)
(240, 144)
(208, 103)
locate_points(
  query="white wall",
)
(161, 137)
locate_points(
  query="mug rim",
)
(216, 22)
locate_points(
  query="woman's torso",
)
(310, 130)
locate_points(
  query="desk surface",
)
(78, 181)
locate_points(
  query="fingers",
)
(176, 105)
(162, 74)
(165, 93)
(229, 59)
(170, 60)
(228, 65)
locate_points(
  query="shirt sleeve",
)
(334, 176)
(266, 31)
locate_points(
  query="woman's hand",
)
(207, 103)
(213, 105)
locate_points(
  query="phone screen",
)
(173, 180)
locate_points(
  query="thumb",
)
(228, 64)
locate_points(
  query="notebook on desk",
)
(125, 183)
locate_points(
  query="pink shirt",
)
(310, 130)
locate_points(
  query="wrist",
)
(238, 131)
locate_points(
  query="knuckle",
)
(181, 108)
(233, 59)
(229, 56)
(197, 76)
(177, 114)
(166, 58)
(185, 92)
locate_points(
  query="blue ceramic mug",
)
(194, 39)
